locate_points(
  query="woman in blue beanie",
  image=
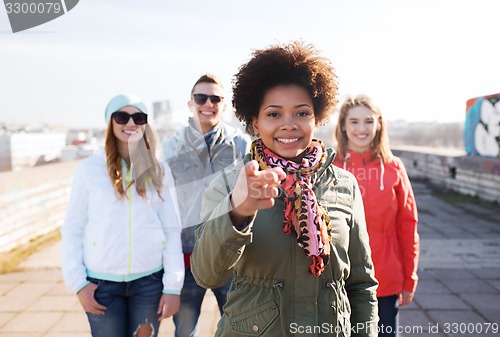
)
(121, 245)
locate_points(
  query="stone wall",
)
(33, 202)
(454, 170)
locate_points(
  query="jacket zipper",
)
(129, 204)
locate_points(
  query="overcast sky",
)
(419, 60)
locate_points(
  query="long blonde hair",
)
(380, 144)
(148, 173)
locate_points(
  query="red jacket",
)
(391, 219)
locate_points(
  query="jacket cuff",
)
(410, 285)
(77, 289)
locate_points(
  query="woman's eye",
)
(303, 113)
(273, 114)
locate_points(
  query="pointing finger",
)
(251, 168)
(279, 171)
(271, 177)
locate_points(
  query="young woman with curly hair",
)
(121, 238)
(287, 224)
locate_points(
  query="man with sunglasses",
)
(196, 154)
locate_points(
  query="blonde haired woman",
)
(121, 246)
(390, 208)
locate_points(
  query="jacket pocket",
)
(255, 322)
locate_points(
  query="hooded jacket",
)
(272, 292)
(120, 239)
(391, 219)
(194, 164)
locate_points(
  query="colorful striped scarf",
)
(304, 217)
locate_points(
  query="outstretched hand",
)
(254, 190)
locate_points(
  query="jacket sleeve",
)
(168, 148)
(219, 245)
(243, 144)
(361, 285)
(406, 228)
(72, 230)
(173, 260)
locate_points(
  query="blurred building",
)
(164, 120)
(27, 149)
(81, 143)
(161, 109)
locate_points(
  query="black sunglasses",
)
(202, 98)
(122, 117)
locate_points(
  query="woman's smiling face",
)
(286, 120)
(361, 125)
(129, 132)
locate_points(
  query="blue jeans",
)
(129, 305)
(186, 319)
(388, 309)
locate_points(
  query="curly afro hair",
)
(295, 63)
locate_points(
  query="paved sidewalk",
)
(459, 271)
(36, 303)
(459, 287)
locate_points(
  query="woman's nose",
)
(131, 122)
(360, 126)
(289, 124)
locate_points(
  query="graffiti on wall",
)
(482, 126)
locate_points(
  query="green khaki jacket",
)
(272, 292)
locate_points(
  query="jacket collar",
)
(363, 157)
(190, 137)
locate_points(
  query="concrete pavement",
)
(458, 292)
(36, 303)
(459, 271)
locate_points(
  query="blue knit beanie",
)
(122, 100)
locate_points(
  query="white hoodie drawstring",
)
(382, 170)
(347, 156)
